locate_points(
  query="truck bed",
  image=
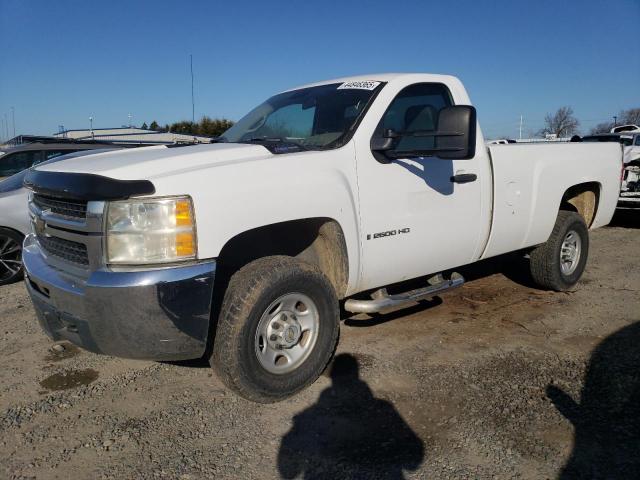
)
(529, 181)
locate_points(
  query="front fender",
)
(234, 198)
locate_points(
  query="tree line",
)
(563, 123)
(208, 127)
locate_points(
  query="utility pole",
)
(91, 126)
(129, 115)
(193, 104)
(520, 127)
(615, 121)
(13, 120)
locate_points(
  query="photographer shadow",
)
(349, 433)
(607, 419)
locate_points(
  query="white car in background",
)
(14, 219)
(628, 136)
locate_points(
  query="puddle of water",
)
(69, 350)
(69, 379)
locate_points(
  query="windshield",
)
(319, 117)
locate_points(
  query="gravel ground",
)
(495, 380)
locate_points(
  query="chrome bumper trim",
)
(155, 314)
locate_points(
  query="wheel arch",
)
(582, 198)
(319, 241)
(3, 227)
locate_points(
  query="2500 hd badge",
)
(388, 233)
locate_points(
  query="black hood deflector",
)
(85, 186)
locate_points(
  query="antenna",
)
(193, 104)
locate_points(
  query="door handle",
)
(464, 178)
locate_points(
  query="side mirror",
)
(382, 144)
(456, 135)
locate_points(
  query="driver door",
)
(415, 220)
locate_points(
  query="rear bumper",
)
(160, 314)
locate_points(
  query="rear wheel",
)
(277, 329)
(559, 263)
(10, 256)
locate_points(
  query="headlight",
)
(151, 230)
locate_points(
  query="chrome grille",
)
(65, 249)
(65, 208)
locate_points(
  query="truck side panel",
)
(529, 182)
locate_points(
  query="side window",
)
(13, 163)
(415, 109)
(637, 140)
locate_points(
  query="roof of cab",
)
(380, 77)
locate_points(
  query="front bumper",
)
(159, 314)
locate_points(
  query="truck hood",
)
(147, 163)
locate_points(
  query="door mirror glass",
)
(456, 135)
(452, 136)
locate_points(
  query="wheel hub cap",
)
(287, 333)
(284, 330)
(570, 252)
(10, 258)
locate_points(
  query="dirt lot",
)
(497, 379)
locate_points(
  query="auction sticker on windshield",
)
(361, 85)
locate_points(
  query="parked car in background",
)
(629, 137)
(626, 128)
(20, 158)
(14, 218)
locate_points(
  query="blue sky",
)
(64, 61)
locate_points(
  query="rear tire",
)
(277, 329)
(10, 256)
(559, 263)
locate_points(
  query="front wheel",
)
(10, 256)
(559, 263)
(277, 329)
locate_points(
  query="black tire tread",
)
(544, 261)
(244, 288)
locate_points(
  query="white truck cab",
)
(325, 193)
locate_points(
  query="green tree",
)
(208, 127)
(213, 127)
(154, 126)
(144, 126)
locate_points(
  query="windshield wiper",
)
(277, 140)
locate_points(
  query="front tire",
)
(277, 329)
(559, 263)
(10, 256)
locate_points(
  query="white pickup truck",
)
(242, 250)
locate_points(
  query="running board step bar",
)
(381, 300)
